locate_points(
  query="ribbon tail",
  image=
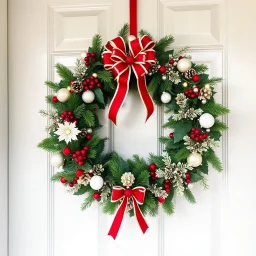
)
(140, 218)
(145, 97)
(120, 95)
(118, 219)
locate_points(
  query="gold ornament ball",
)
(194, 159)
(63, 95)
(185, 84)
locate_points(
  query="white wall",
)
(3, 130)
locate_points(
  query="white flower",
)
(67, 132)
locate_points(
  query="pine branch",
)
(51, 144)
(168, 206)
(163, 43)
(189, 196)
(92, 153)
(64, 72)
(144, 32)
(93, 142)
(89, 118)
(110, 208)
(105, 76)
(52, 85)
(219, 126)
(164, 140)
(88, 200)
(60, 107)
(69, 176)
(154, 83)
(214, 80)
(116, 171)
(215, 109)
(97, 45)
(170, 124)
(182, 154)
(214, 160)
(78, 112)
(142, 179)
(124, 31)
(180, 51)
(157, 160)
(82, 190)
(200, 68)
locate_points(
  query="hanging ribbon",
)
(141, 56)
(137, 195)
(133, 17)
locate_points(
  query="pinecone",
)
(169, 69)
(190, 73)
(127, 179)
(205, 93)
(83, 132)
(77, 87)
(153, 69)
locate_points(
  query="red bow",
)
(141, 57)
(137, 194)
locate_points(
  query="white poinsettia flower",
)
(67, 132)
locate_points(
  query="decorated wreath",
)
(103, 75)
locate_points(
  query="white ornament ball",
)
(57, 160)
(96, 182)
(63, 95)
(184, 65)
(89, 130)
(131, 38)
(194, 159)
(164, 77)
(166, 97)
(190, 186)
(204, 101)
(88, 96)
(83, 55)
(206, 120)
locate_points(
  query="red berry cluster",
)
(192, 93)
(80, 155)
(197, 135)
(167, 186)
(91, 82)
(188, 178)
(68, 116)
(152, 168)
(90, 56)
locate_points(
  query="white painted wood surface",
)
(46, 221)
(3, 132)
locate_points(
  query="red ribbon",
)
(137, 195)
(133, 17)
(141, 56)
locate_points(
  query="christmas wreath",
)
(103, 75)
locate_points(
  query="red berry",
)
(190, 91)
(96, 195)
(71, 184)
(76, 178)
(166, 186)
(86, 59)
(80, 158)
(67, 119)
(89, 54)
(88, 136)
(193, 95)
(91, 87)
(152, 167)
(98, 85)
(152, 174)
(171, 135)
(188, 175)
(167, 181)
(197, 132)
(80, 163)
(71, 82)
(93, 59)
(168, 190)
(87, 64)
(201, 137)
(181, 57)
(63, 180)
(67, 151)
(86, 148)
(76, 121)
(74, 181)
(196, 78)
(54, 99)
(171, 61)
(86, 88)
(78, 153)
(97, 81)
(193, 129)
(162, 69)
(128, 192)
(93, 54)
(197, 138)
(161, 200)
(83, 152)
(65, 112)
(192, 135)
(205, 135)
(79, 173)
(188, 181)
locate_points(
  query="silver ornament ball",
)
(194, 159)
(57, 160)
(63, 95)
(184, 65)
(166, 97)
(206, 120)
(88, 96)
(96, 182)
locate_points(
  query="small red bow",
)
(141, 56)
(137, 194)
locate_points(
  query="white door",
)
(46, 221)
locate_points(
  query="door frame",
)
(4, 129)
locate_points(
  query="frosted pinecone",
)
(127, 179)
(189, 74)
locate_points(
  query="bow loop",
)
(139, 194)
